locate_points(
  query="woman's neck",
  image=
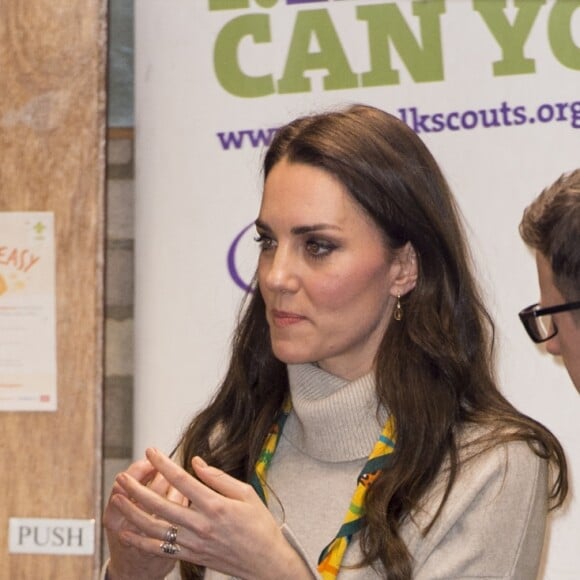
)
(333, 419)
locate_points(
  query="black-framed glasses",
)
(539, 323)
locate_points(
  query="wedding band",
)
(169, 548)
(171, 535)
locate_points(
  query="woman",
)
(362, 376)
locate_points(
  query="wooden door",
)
(52, 158)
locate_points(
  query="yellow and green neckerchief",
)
(331, 557)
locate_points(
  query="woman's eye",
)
(264, 242)
(319, 248)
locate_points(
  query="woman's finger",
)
(147, 524)
(141, 470)
(211, 480)
(152, 503)
(162, 487)
(176, 496)
(159, 484)
(198, 493)
(155, 535)
(223, 483)
(153, 547)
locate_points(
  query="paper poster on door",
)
(27, 312)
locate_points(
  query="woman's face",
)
(328, 280)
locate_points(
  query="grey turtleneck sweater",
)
(491, 527)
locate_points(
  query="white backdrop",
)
(210, 74)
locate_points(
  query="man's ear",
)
(406, 279)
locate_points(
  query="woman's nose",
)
(279, 270)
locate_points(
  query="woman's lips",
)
(281, 318)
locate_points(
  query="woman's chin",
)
(292, 356)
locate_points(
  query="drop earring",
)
(398, 314)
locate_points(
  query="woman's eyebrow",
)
(299, 230)
(262, 225)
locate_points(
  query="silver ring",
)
(170, 548)
(171, 535)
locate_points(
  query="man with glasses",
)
(551, 226)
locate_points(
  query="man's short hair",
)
(551, 225)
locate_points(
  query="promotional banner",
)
(492, 87)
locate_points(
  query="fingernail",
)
(199, 462)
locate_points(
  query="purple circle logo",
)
(233, 268)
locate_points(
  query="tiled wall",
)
(118, 388)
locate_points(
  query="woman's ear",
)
(406, 279)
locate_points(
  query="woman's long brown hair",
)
(434, 369)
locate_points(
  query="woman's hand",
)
(127, 561)
(226, 526)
